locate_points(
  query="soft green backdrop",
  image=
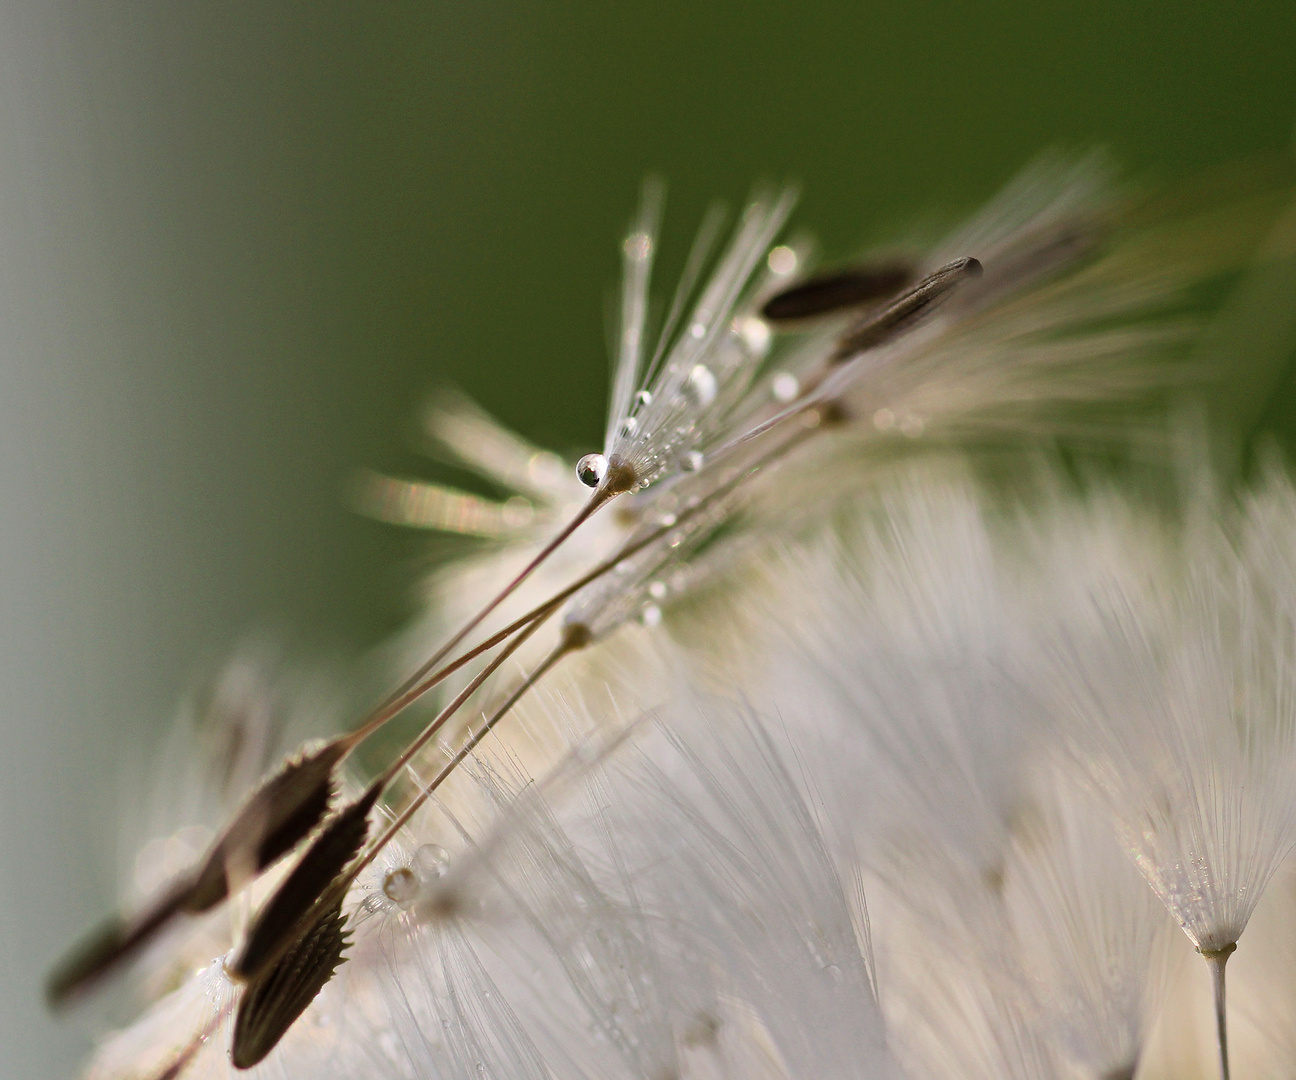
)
(242, 241)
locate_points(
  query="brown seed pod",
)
(877, 328)
(273, 1002)
(273, 820)
(288, 912)
(839, 290)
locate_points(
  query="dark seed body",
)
(275, 818)
(273, 1002)
(288, 911)
(272, 822)
(878, 328)
(826, 294)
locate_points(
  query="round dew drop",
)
(755, 334)
(643, 398)
(782, 260)
(637, 246)
(432, 860)
(700, 387)
(591, 469)
(629, 426)
(692, 461)
(784, 387)
(401, 886)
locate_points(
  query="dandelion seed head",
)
(823, 654)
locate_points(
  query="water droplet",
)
(785, 387)
(755, 334)
(643, 398)
(782, 260)
(432, 860)
(884, 420)
(697, 331)
(637, 246)
(591, 469)
(657, 590)
(629, 426)
(401, 886)
(666, 520)
(692, 461)
(700, 386)
(650, 616)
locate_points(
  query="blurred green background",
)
(241, 242)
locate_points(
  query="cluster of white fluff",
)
(883, 757)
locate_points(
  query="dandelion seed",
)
(1182, 713)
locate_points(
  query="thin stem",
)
(445, 714)
(416, 685)
(1215, 960)
(569, 643)
(321, 903)
(411, 690)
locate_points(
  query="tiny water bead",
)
(912, 425)
(629, 426)
(401, 887)
(637, 246)
(692, 461)
(782, 260)
(700, 387)
(432, 861)
(591, 469)
(755, 334)
(785, 387)
(643, 398)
